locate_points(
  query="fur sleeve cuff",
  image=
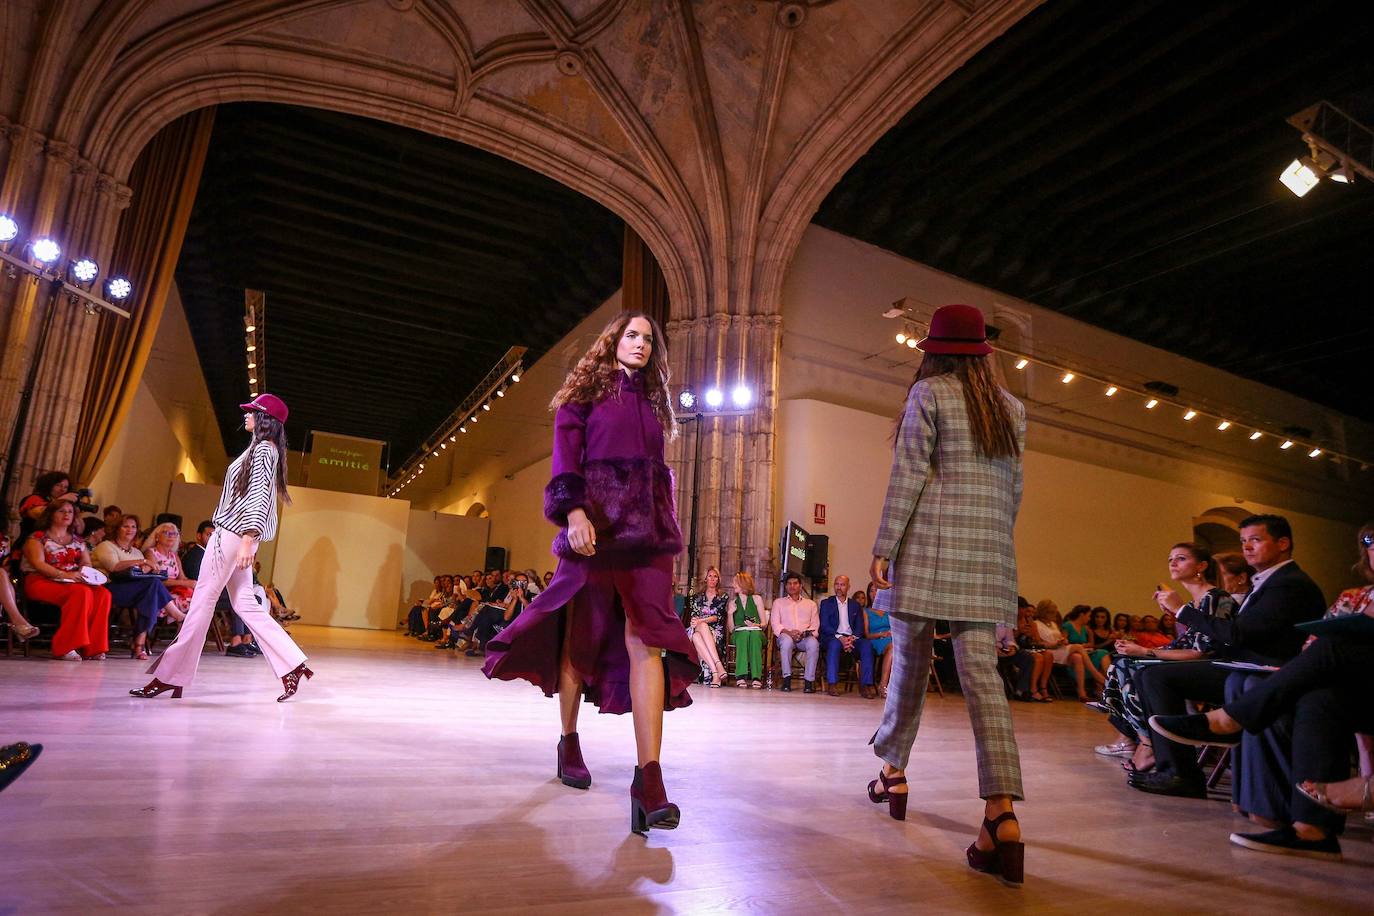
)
(563, 494)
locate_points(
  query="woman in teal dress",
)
(1076, 628)
(878, 632)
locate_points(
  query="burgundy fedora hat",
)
(269, 404)
(958, 329)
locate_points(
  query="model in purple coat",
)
(605, 627)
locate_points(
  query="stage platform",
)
(400, 780)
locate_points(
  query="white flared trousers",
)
(177, 665)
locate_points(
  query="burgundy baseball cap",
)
(269, 404)
(957, 329)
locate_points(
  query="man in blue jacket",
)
(842, 630)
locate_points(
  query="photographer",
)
(49, 490)
(493, 617)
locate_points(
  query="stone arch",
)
(1218, 528)
(476, 510)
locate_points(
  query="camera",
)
(83, 501)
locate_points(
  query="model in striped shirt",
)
(246, 516)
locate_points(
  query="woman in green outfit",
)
(746, 620)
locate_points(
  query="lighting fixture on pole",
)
(73, 285)
(1338, 147)
(255, 339)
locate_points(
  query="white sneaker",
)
(1120, 749)
(72, 656)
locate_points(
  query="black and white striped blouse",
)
(257, 510)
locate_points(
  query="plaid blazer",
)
(948, 516)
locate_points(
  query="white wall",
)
(438, 543)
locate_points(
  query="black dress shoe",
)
(1193, 730)
(1166, 784)
(1286, 842)
(15, 759)
(808, 686)
(786, 685)
(239, 651)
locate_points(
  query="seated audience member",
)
(1121, 626)
(1168, 625)
(1055, 642)
(1193, 567)
(1261, 631)
(1149, 635)
(1079, 635)
(878, 633)
(1235, 574)
(1027, 637)
(706, 626)
(415, 620)
(1101, 639)
(492, 618)
(23, 630)
(1297, 724)
(48, 490)
(548, 577)
(796, 623)
(536, 584)
(92, 531)
(53, 557)
(1016, 664)
(745, 621)
(842, 633)
(438, 608)
(134, 584)
(111, 517)
(161, 550)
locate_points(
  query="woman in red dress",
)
(53, 557)
(602, 626)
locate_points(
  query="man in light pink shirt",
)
(796, 623)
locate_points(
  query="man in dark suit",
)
(842, 630)
(1262, 631)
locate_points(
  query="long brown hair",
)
(266, 428)
(985, 401)
(596, 375)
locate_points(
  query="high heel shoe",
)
(571, 768)
(649, 805)
(139, 653)
(1006, 859)
(154, 688)
(291, 681)
(896, 801)
(22, 634)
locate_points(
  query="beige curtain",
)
(644, 287)
(146, 249)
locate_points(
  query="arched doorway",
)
(1218, 528)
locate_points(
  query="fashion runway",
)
(400, 780)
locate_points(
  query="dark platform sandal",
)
(1006, 859)
(896, 801)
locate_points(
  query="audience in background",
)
(1028, 638)
(417, 620)
(161, 549)
(746, 621)
(23, 630)
(48, 490)
(1148, 635)
(93, 530)
(706, 626)
(878, 633)
(53, 558)
(1055, 641)
(841, 635)
(796, 624)
(1101, 639)
(1235, 574)
(133, 583)
(1121, 626)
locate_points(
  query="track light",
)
(1301, 176)
(1224, 425)
(9, 229)
(118, 288)
(740, 396)
(252, 365)
(250, 328)
(487, 406)
(500, 392)
(1342, 174)
(85, 271)
(453, 438)
(472, 419)
(1314, 453)
(443, 446)
(1068, 377)
(901, 337)
(1152, 403)
(1022, 363)
(1287, 444)
(252, 380)
(911, 342)
(1190, 414)
(252, 347)
(45, 251)
(687, 399)
(515, 376)
(463, 429)
(1111, 391)
(1255, 435)
(714, 398)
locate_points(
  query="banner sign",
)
(346, 464)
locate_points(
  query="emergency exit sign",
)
(819, 517)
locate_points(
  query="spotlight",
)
(473, 418)
(45, 251)
(1224, 425)
(686, 399)
(1287, 444)
(515, 376)
(1255, 435)
(252, 381)
(1314, 453)
(252, 365)
(1022, 363)
(252, 347)
(435, 455)
(85, 270)
(1068, 377)
(1301, 176)
(463, 429)
(1152, 403)
(9, 229)
(901, 337)
(453, 438)
(740, 396)
(1190, 414)
(714, 397)
(1111, 391)
(487, 406)
(250, 328)
(911, 342)
(443, 446)
(500, 392)
(1342, 174)
(118, 289)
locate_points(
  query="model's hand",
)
(878, 572)
(581, 534)
(248, 548)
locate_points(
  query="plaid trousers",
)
(975, 655)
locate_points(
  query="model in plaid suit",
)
(946, 532)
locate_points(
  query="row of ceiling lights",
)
(44, 253)
(255, 342)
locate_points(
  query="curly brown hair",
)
(595, 375)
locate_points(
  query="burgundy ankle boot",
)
(649, 805)
(571, 769)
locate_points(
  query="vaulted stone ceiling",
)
(398, 268)
(1119, 164)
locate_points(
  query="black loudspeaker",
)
(817, 565)
(496, 558)
(168, 517)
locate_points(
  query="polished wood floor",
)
(401, 781)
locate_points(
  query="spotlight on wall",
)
(118, 288)
(1316, 452)
(1224, 425)
(486, 405)
(714, 398)
(1255, 435)
(463, 429)
(515, 376)
(687, 399)
(741, 396)
(1068, 377)
(1022, 363)
(501, 392)
(1190, 414)
(1111, 391)
(45, 251)
(1152, 403)
(1287, 444)
(252, 347)
(453, 438)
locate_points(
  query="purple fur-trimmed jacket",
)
(608, 461)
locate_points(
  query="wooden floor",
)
(401, 781)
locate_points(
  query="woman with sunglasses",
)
(247, 515)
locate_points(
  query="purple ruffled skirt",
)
(603, 591)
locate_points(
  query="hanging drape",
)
(164, 181)
(644, 288)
